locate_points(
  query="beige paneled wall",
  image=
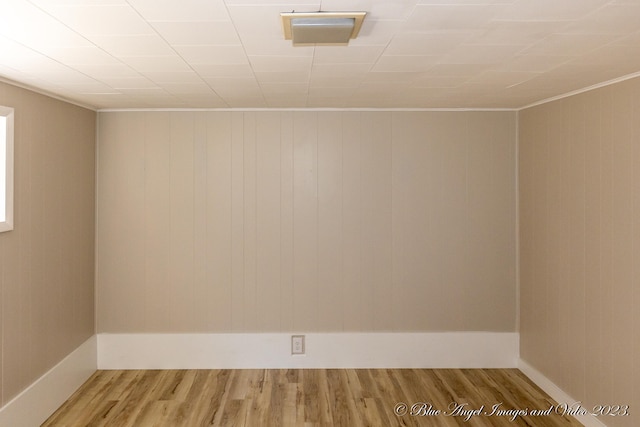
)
(47, 261)
(305, 220)
(580, 244)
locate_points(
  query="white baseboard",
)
(556, 393)
(323, 350)
(38, 401)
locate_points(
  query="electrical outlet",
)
(297, 344)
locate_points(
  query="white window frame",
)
(7, 224)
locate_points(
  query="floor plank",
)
(307, 398)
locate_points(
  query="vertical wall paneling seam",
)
(467, 197)
(280, 117)
(361, 284)
(584, 252)
(255, 216)
(342, 275)
(95, 231)
(517, 217)
(244, 220)
(317, 224)
(172, 118)
(290, 134)
(545, 244)
(342, 281)
(610, 345)
(145, 301)
(392, 284)
(294, 321)
(634, 248)
(229, 320)
(194, 275)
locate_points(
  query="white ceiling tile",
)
(549, 10)
(198, 33)
(632, 39)
(202, 101)
(168, 77)
(377, 32)
(427, 44)
(433, 81)
(76, 55)
(285, 3)
(481, 54)
(181, 89)
(280, 63)
(331, 92)
(94, 87)
(284, 89)
(261, 21)
(423, 53)
(451, 17)
(392, 9)
(570, 45)
(100, 19)
(612, 19)
(48, 4)
(223, 70)
(181, 11)
(346, 54)
(502, 78)
(396, 77)
(129, 82)
(533, 63)
(465, 2)
(133, 45)
(29, 25)
(274, 47)
(246, 102)
(146, 91)
(154, 63)
(334, 82)
(235, 87)
(283, 76)
(393, 63)
(517, 32)
(287, 101)
(327, 102)
(344, 70)
(456, 70)
(201, 54)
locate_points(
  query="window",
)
(6, 169)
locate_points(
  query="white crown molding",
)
(583, 90)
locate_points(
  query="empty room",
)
(320, 213)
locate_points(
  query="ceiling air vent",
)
(321, 28)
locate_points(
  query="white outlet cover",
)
(297, 344)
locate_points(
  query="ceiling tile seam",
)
(89, 41)
(61, 64)
(235, 29)
(177, 54)
(599, 9)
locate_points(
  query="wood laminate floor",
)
(309, 397)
